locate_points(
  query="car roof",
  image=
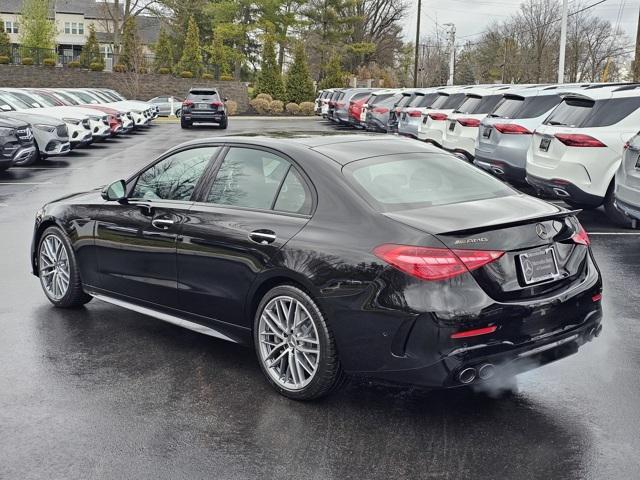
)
(337, 147)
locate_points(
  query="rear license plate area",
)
(452, 126)
(539, 266)
(486, 132)
(544, 144)
(202, 106)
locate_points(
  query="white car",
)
(324, 102)
(433, 122)
(463, 123)
(576, 152)
(78, 125)
(140, 113)
(410, 116)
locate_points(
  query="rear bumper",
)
(627, 209)
(500, 168)
(408, 129)
(376, 125)
(466, 145)
(204, 117)
(563, 190)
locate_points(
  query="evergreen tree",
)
(5, 43)
(131, 52)
(191, 59)
(37, 30)
(299, 82)
(334, 75)
(269, 78)
(91, 50)
(164, 51)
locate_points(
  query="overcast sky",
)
(473, 16)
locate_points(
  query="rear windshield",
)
(380, 98)
(404, 101)
(478, 105)
(203, 95)
(416, 101)
(427, 100)
(360, 96)
(413, 180)
(529, 107)
(584, 113)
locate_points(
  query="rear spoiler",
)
(562, 214)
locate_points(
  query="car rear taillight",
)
(438, 117)
(578, 140)
(475, 332)
(415, 113)
(380, 110)
(469, 122)
(430, 263)
(512, 129)
(187, 103)
(216, 104)
(581, 237)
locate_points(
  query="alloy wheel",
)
(289, 343)
(54, 267)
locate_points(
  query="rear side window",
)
(487, 104)
(294, 196)
(405, 181)
(404, 101)
(248, 178)
(427, 100)
(452, 102)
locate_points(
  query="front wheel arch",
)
(48, 222)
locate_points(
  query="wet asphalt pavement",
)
(102, 392)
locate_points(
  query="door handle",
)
(263, 237)
(162, 223)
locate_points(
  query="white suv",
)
(434, 119)
(575, 153)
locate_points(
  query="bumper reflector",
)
(475, 332)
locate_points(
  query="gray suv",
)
(627, 192)
(204, 105)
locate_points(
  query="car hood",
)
(62, 112)
(477, 214)
(33, 118)
(11, 122)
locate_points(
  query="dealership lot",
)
(106, 392)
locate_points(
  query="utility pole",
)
(563, 40)
(415, 64)
(452, 51)
(636, 62)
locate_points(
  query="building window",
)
(11, 27)
(74, 28)
(67, 28)
(81, 28)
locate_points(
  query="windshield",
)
(42, 100)
(413, 180)
(12, 101)
(85, 98)
(28, 101)
(64, 98)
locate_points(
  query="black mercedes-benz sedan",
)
(332, 255)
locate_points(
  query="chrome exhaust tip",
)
(486, 371)
(467, 375)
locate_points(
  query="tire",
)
(613, 213)
(184, 124)
(223, 125)
(73, 295)
(306, 383)
(178, 112)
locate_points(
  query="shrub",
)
(186, 74)
(49, 62)
(207, 76)
(96, 66)
(307, 108)
(232, 107)
(265, 96)
(74, 64)
(164, 71)
(226, 78)
(27, 61)
(276, 107)
(292, 108)
(260, 105)
(4, 60)
(120, 68)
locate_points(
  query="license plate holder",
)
(486, 132)
(452, 126)
(544, 144)
(539, 266)
(203, 106)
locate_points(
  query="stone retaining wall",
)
(135, 86)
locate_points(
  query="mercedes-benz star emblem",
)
(527, 269)
(541, 230)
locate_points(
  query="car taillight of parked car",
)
(415, 113)
(431, 263)
(187, 103)
(469, 122)
(579, 140)
(217, 104)
(512, 129)
(436, 117)
(581, 237)
(380, 110)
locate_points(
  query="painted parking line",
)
(25, 183)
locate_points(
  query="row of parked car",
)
(575, 142)
(36, 123)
